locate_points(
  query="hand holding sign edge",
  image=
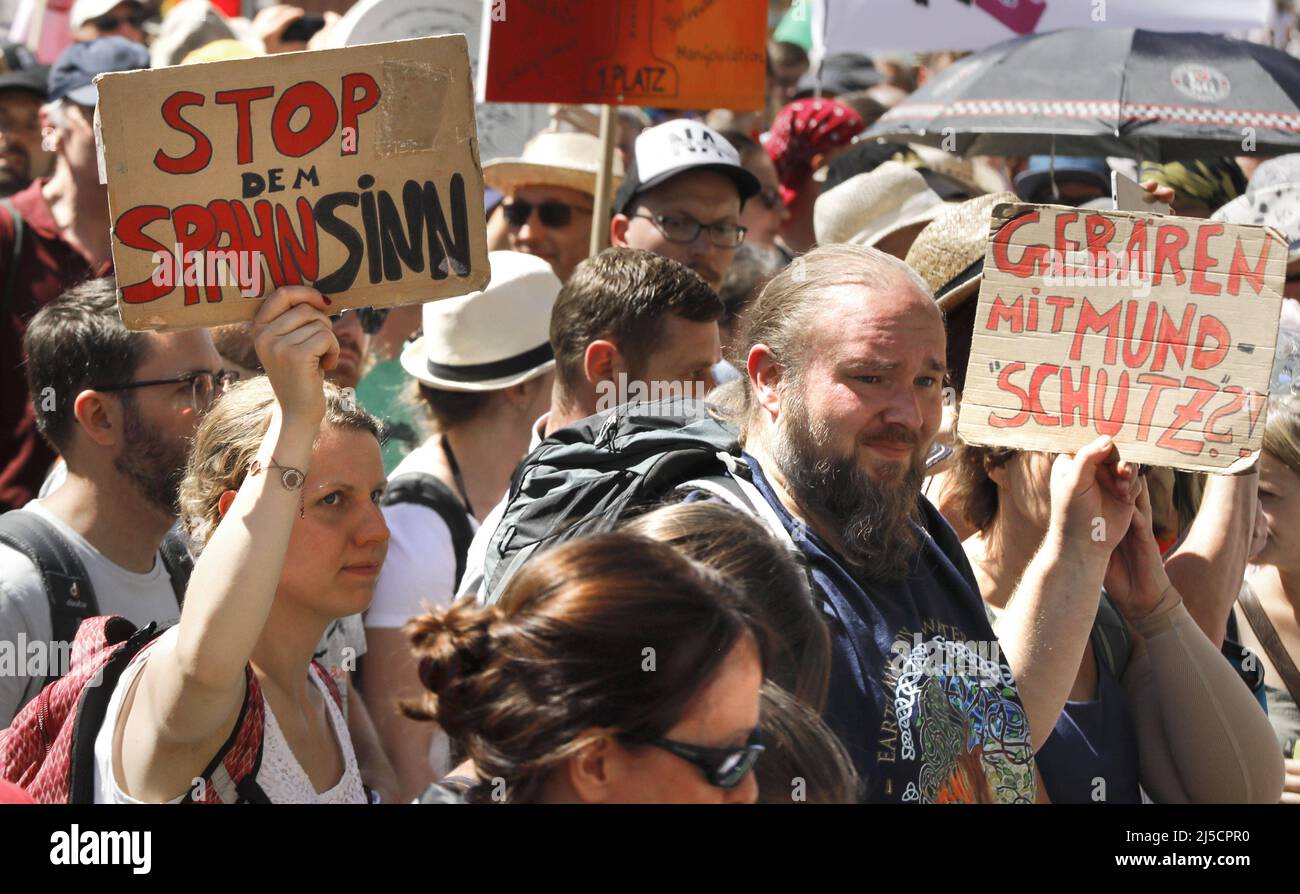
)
(296, 345)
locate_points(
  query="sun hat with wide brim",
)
(949, 253)
(568, 160)
(1276, 205)
(868, 207)
(489, 340)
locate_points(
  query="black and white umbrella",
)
(1098, 92)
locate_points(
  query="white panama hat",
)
(489, 340)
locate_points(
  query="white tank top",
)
(280, 775)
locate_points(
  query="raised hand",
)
(1094, 494)
(297, 346)
(1135, 579)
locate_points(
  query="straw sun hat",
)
(949, 253)
(866, 208)
(568, 160)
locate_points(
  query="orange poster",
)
(673, 54)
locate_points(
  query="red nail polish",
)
(327, 299)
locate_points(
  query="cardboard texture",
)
(352, 170)
(1158, 331)
(672, 54)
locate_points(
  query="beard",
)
(878, 519)
(154, 464)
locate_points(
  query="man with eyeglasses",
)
(91, 19)
(549, 197)
(120, 407)
(682, 198)
(53, 235)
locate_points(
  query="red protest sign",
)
(1158, 331)
(675, 54)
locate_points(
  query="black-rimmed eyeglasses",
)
(205, 386)
(685, 230)
(722, 767)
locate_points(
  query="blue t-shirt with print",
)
(919, 692)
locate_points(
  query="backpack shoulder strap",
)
(15, 253)
(737, 489)
(93, 707)
(430, 492)
(178, 562)
(1110, 638)
(67, 585)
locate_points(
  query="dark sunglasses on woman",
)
(552, 213)
(371, 318)
(722, 767)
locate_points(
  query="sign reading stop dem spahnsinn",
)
(355, 171)
(1158, 331)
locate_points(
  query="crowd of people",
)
(686, 520)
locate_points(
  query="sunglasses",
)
(553, 214)
(205, 386)
(371, 318)
(112, 23)
(722, 767)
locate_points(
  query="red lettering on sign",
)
(1031, 259)
(198, 157)
(243, 100)
(1004, 384)
(354, 106)
(1204, 260)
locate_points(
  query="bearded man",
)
(120, 407)
(844, 354)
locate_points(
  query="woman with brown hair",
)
(770, 577)
(280, 501)
(1170, 718)
(612, 670)
(1268, 605)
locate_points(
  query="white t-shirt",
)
(471, 584)
(25, 610)
(280, 775)
(419, 573)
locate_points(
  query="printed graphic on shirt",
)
(956, 721)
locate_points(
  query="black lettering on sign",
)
(392, 246)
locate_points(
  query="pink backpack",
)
(49, 749)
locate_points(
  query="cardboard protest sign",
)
(674, 54)
(1158, 331)
(355, 171)
(503, 128)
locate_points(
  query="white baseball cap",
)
(675, 147)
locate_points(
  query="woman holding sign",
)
(281, 502)
(1155, 708)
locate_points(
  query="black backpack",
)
(587, 477)
(426, 490)
(67, 585)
